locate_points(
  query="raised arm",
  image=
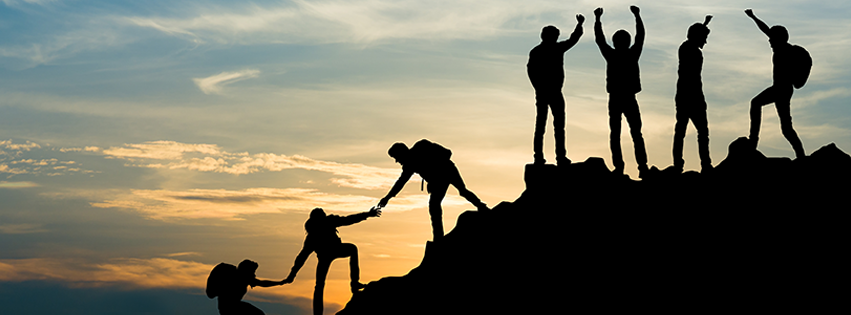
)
(759, 23)
(577, 33)
(599, 37)
(639, 29)
(299, 262)
(397, 187)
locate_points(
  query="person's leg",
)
(351, 251)
(541, 101)
(615, 133)
(437, 192)
(633, 118)
(679, 135)
(765, 97)
(784, 112)
(701, 123)
(454, 177)
(557, 105)
(319, 291)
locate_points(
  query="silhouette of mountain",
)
(757, 233)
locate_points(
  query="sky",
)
(144, 142)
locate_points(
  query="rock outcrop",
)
(756, 234)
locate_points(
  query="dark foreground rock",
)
(758, 234)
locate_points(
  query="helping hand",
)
(375, 212)
(749, 13)
(580, 18)
(598, 12)
(382, 203)
(634, 9)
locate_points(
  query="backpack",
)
(221, 279)
(430, 151)
(801, 66)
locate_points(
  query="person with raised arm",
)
(322, 238)
(791, 68)
(689, 100)
(546, 72)
(623, 82)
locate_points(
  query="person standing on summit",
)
(546, 71)
(622, 83)
(689, 100)
(792, 65)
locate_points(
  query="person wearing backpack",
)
(230, 283)
(431, 161)
(791, 68)
(322, 238)
(546, 72)
(689, 100)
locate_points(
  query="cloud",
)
(84, 149)
(16, 162)
(133, 273)
(20, 228)
(184, 254)
(15, 185)
(8, 144)
(17, 3)
(211, 158)
(213, 84)
(337, 21)
(171, 205)
(129, 272)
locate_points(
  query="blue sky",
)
(152, 140)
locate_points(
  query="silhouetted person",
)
(322, 238)
(231, 283)
(431, 161)
(546, 71)
(791, 68)
(622, 83)
(689, 100)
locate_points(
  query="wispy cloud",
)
(21, 228)
(211, 158)
(345, 21)
(131, 272)
(13, 3)
(83, 149)
(19, 148)
(235, 204)
(14, 185)
(213, 84)
(14, 160)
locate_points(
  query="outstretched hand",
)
(598, 12)
(382, 203)
(375, 212)
(580, 18)
(749, 13)
(634, 9)
(286, 281)
(706, 21)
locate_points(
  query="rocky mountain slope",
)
(757, 234)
